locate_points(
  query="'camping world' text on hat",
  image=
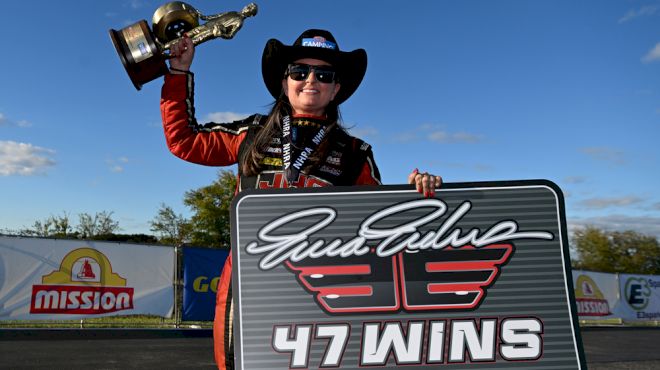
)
(319, 42)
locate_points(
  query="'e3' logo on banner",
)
(454, 278)
(637, 293)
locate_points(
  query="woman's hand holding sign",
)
(425, 183)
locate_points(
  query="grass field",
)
(146, 321)
(134, 321)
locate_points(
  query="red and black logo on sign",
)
(391, 263)
(455, 278)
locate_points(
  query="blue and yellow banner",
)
(201, 273)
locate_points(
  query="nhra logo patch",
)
(83, 284)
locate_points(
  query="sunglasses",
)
(300, 72)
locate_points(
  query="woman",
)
(300, 143)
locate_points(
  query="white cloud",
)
(636, 13)
(643, 225)
(605, 154)
(600, 203)
(405, 137)
(24, 159)
(574, 179)
(127, 22)
(438, 136)
(137, 4)
(116, 165)
(644, 92)
(4, 121)
(482, 167)
(428, 127)
(221, 117)
(455, 137)
(364, 132)
(653, 55)
(464, 137)
(477, 167)
(435, 133)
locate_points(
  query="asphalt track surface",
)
(605, 348)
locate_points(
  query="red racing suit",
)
(349, 161)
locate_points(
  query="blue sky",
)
(562, 90)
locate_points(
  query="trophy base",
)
(139, 53)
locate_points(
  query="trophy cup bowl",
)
(143, 51)
(139, 53)
(140, 49)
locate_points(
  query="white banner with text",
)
(56, 279)
(596, 294)
(640, 297)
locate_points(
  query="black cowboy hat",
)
(316, 44)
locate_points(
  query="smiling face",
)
(309, 96)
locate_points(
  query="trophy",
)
(143, 51)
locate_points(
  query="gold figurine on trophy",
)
(143, 51)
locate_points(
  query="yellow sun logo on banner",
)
(87, 266)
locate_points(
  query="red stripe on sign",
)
(332, 270)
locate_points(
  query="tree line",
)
(616, 251)
(209, 226)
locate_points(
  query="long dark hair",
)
(251, 163)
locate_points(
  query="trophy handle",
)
(142, 57)
(222, 25)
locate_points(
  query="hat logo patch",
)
(319, 42)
